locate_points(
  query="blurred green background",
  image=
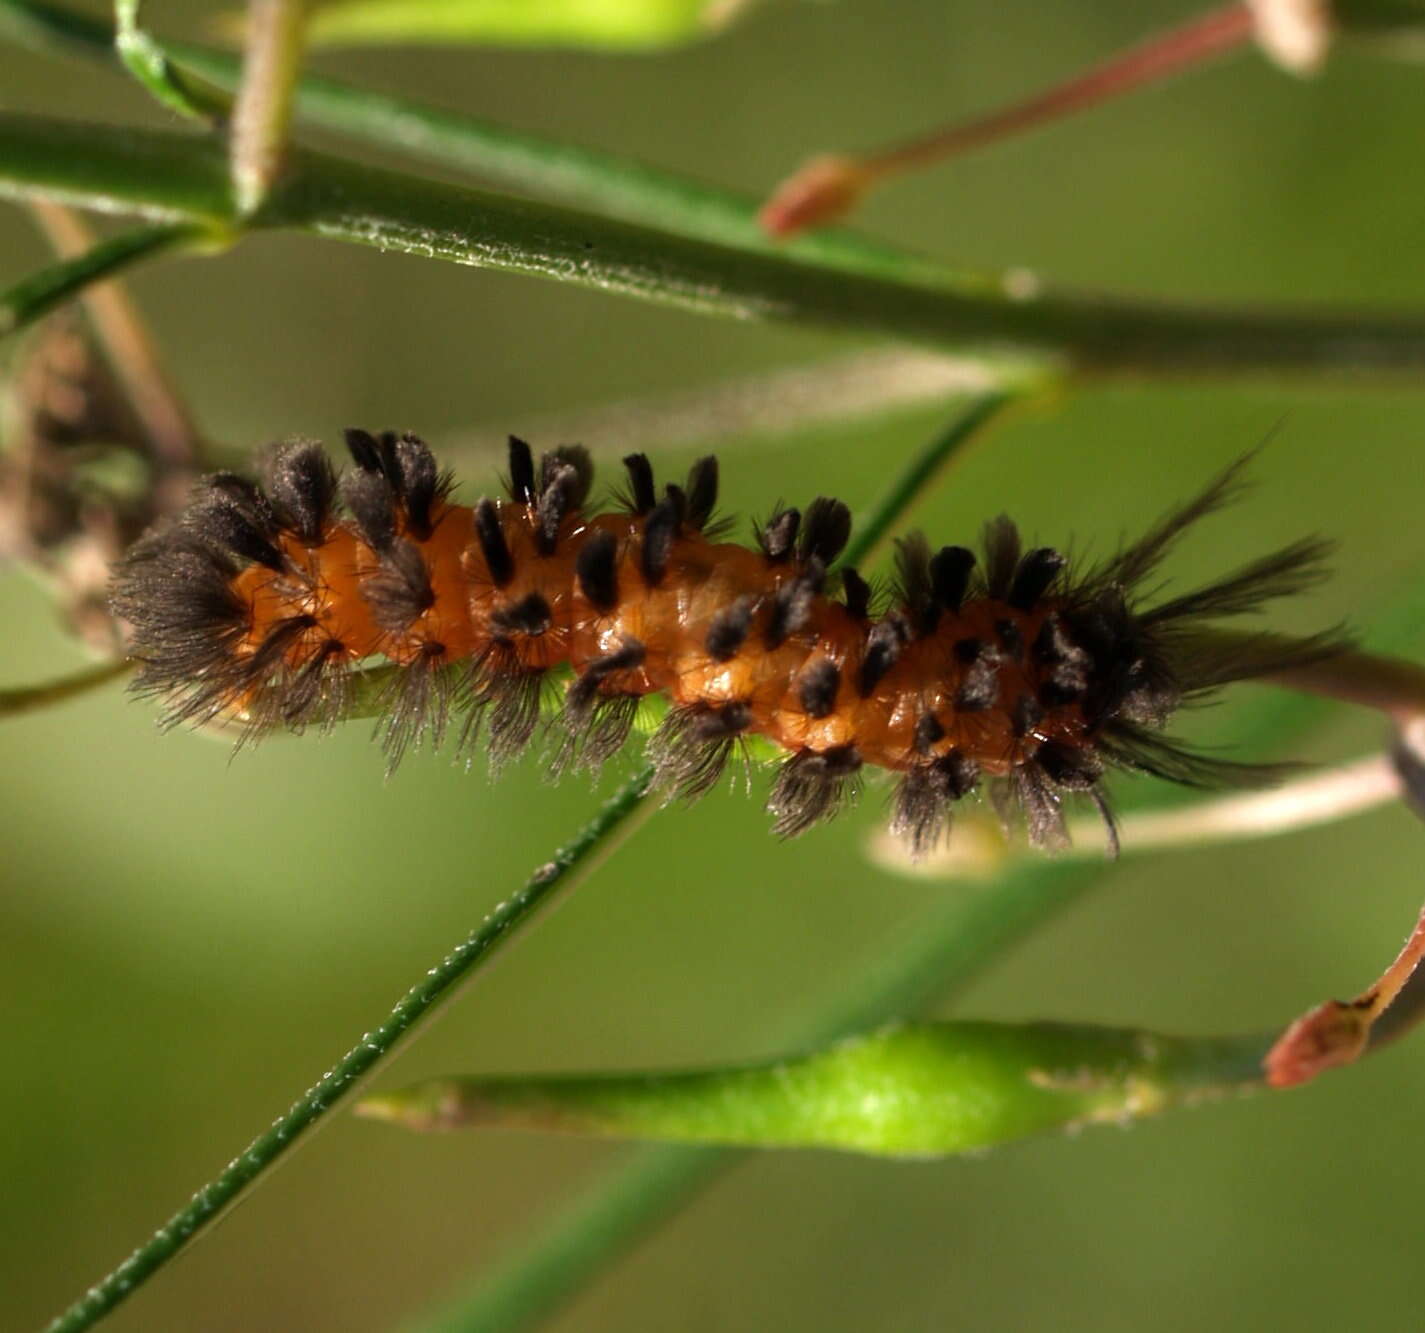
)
(186, 942)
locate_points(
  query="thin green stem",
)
(257, 136)
(874, 528)
(569, 866)
(172, 177)
(31, 698)
(149, 64)
(39, 293)
(606, 183)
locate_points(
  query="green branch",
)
(173, 177)
(605, 183)
(146, 60)
(31, 698)
(39, 293)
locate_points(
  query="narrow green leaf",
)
(31, 698)
(628, 25)
(41, 292)
(571, 863)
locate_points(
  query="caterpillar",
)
(1004, 670)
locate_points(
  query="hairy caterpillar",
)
(260, 601)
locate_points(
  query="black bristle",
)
(1127, 745)
(778, 536)
(419, 484)
(509, 693)
(642, 494)
(531, 616)
(924, 797)
(1075, 767)
(1036, 572)
(1001, 541)
(595, 725)
(968, 651)
(1133, 564)
(629, 655)
(883, 647)
(1052, 644)
(364, 449)
(229, 513)
(1010, 638)
(728, 630)
(521, 472)
(812, 786)
(301, 487)
(1038, 800)
(1025, 715)
(187, 622)
(979, 687)
(1291, 570)
(692, 745)
(856, 593)
(490, 533)
(678, 498)
(574, 456)
(792, 604)
(368, 498)
(596, 567)
(702, 491)
(826, 530)
(399, 591)
(928, 730)
(1066, 665)
(1065, 684)
(557, 500)
(950, 570)
(817, 687)
(660, 529)
(913, 586)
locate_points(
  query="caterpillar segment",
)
(998, 670)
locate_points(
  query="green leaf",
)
(614, 25)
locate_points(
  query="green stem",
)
(606, 183)
(149, 64)
(172, 177)
(570, 865)
(30, 698)
(872, 529)
(41, 292)
(257, 136)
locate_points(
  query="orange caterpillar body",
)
(262, 601)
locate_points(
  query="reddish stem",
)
(1151, 61)
(826, 187)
